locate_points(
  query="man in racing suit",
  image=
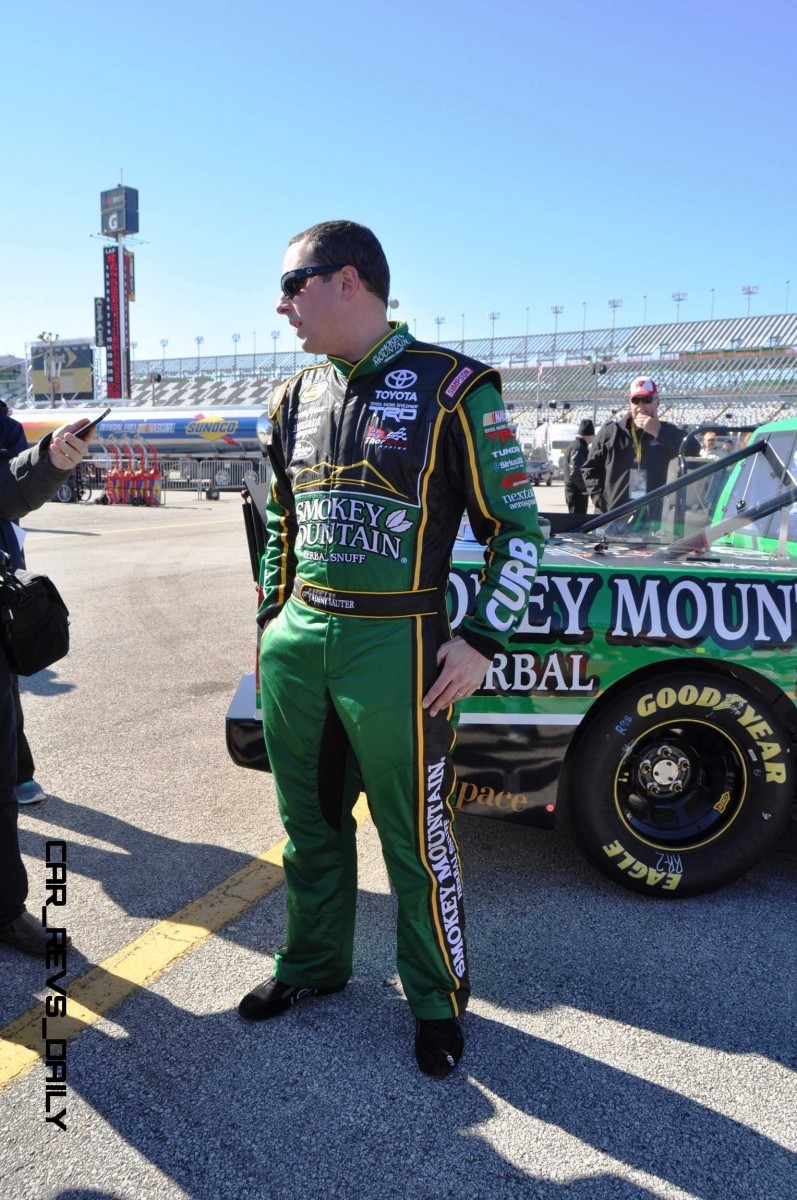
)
(376, 453)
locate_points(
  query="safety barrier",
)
(113, 476)
(209, 477)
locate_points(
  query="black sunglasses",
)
(292, 282)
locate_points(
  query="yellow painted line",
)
(93, 995)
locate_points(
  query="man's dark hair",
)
(352, 244)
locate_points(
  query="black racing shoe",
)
(438, 1046)
(273, 998)
(29, 935)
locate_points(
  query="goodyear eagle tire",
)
(681, 785)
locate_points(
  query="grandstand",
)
(746, 366)
(203, 390)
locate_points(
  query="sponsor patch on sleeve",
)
(516, 479)
(499, 434)
(276, 398)
(456, 383)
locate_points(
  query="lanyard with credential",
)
(637, 477)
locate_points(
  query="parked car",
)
(541, 472)
(648, 696)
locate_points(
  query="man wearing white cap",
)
(630, 455)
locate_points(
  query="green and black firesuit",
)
(374, 463)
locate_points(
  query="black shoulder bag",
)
(34, 621)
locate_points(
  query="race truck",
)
(647, 700)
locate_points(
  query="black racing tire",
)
(680, 785)
(66, 492)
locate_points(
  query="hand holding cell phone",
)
(86, 432)
(69, 443)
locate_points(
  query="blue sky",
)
(510, 157)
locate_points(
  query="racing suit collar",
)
(389, 347)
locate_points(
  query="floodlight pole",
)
(556, 309)
(748, 290)
(595, 393)
(51, 366)
(493, 317)
(613, 305)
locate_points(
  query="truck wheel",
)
(680, 787)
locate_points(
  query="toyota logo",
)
(400, 380)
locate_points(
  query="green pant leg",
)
(317, 785)
(378, 672)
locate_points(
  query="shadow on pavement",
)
(44, 683)
(328, 1101)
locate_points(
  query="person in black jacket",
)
(631, 454)
(26, 481)
(575, 456)
(13, 442)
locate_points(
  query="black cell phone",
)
(87, 430)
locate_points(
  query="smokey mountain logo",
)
(398, 522)
(340, 521)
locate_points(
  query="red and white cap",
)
(643, 389)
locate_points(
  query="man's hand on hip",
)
(463, 671)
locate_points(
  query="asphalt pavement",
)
(617, 1046)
